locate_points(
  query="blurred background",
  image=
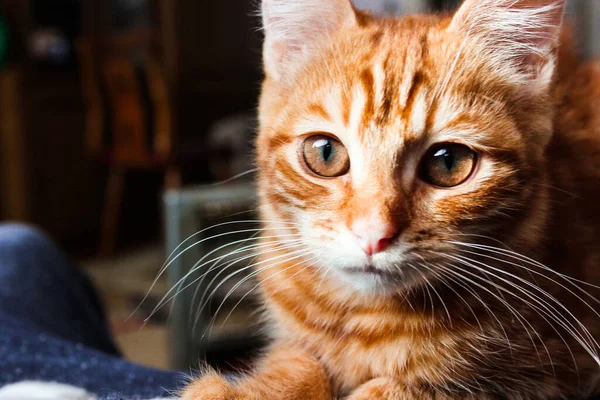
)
(116, 118)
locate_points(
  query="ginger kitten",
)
(435, 183)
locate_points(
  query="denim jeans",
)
(53, 328)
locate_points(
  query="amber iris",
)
(325, 156)
(448, 164)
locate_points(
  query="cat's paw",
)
(210, 387)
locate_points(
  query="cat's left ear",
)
(519, 37)
(295, 28)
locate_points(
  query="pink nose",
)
(374, 240)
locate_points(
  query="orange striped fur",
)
(445, 311)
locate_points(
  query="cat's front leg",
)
(382, 389)
(286, 372)
(391, 389)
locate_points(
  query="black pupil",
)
(327, 151)
(447, 158)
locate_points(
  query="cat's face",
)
(390, 140)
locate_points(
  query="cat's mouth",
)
(369, 269)
(385, 279)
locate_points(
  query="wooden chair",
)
(128, 122)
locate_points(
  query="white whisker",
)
(254, 273)
(584, 337)
(266, 279)
(282, 259)
(522, 320)
(178, 286)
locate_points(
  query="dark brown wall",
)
(217, 60)
(66, 184)
(62, 185)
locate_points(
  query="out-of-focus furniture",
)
(214, 313)
(46, 178)
(207, 55)
(128, 120)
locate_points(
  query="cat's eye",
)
(325, 156)
(448, 164)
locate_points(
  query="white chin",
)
(367, 282)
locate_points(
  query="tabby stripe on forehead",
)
(376, 38)
(319, 110)
(415, 85)
(430, 117)
(388, 95)
(346, 106)
(368, 83)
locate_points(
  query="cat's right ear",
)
(519, 37)
(294, 28)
